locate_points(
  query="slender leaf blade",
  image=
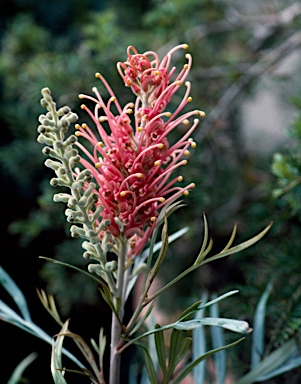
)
(259, 322)
(18, 371)
(15, 292)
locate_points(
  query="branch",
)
(267, 61)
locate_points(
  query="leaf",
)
(239, 247)
(230, 324)
(86, 351)
(140, 259)
(99, 281)
(10, 316)
(175, 343)
(18, 371)
(199, 343)
(149, 365)
(190, 311)
(160, 348)
(205, 241)
(190, 366)
(49, 304)
(162, 253)
(222, 254)
(217, 337)
(258, 333)
(14, 291)
(56, 357)
(290, 364)
(233, 325)
(270, 363)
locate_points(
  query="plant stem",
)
(116, 327)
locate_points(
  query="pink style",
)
(133, 166)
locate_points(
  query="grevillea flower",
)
(133, 160)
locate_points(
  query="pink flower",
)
(133, 160)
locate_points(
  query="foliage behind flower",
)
(133, 166)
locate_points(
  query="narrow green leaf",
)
(175, 342)
(258, 332)
(230, 242)
(270, 363)
(10, 316)
(199, 343)
(190, 366)
(229, 252)
(18, 371)
(205, 241)
(239, 247)
(98, 280)
(183, 349)
(230, 324)
(219, 298)
(149, 365)
(160, 348)
(292, 363)
(15, 292)
(56, 357)
(217, 336)
(162, 252)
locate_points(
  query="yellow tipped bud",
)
(157, 163)
(113, 98)
(185, 46)
(139, 175)
(140, 129)
(77, 133)
(77, 126)
(131, 105)
(153, 218)
(168, 114)
(184, 162)
(97, 165)
(84, 126)
(179, 82)
(83, 106)
(97, 75)
(160, 146)
(193, 144)
(192, 185)
(81, 96)
(94, 89)
(189, 99)
(122, 193)
(187, 153)
(162, 199)
(129, 111)
(187, 83)
(185, 122)
(202, 113)
(100, 144)
(185, 193)
(101, 119)
(180, 179)
(187, 56)
(186, 66)
(156, 73)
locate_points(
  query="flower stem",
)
(116, 326)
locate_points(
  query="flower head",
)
(132, 159)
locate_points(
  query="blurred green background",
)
(247, 166)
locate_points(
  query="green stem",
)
(116, 330)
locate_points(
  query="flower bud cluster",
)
(83, 208)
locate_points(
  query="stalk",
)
(116, 330)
